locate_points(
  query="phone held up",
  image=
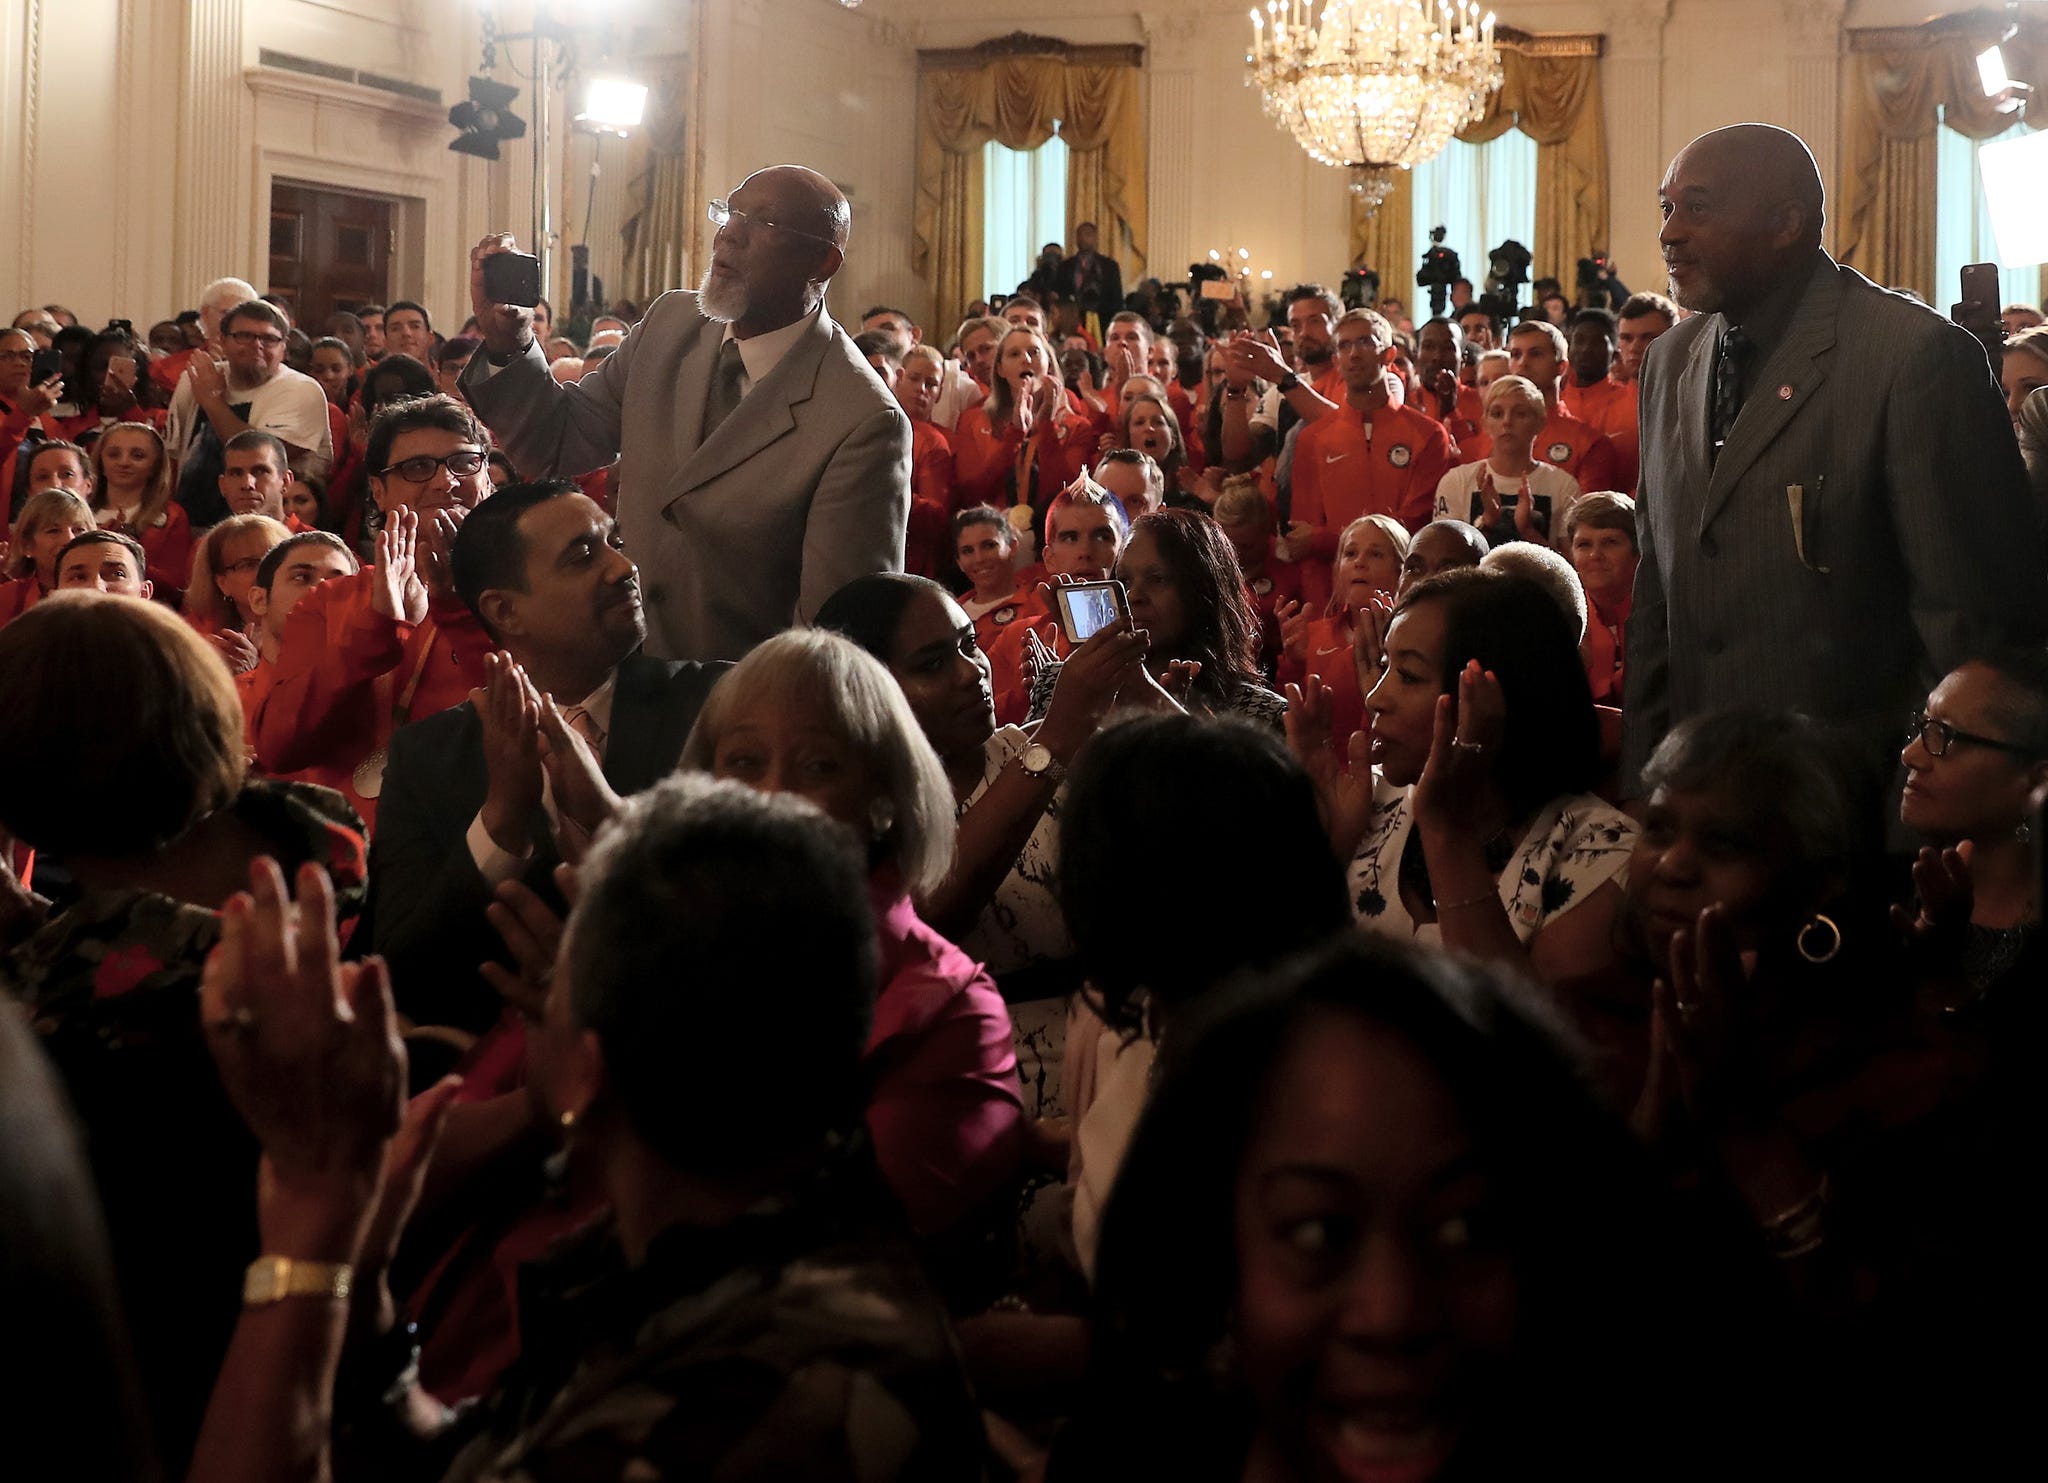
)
(43, 365)
(1086, 608)
(512, 278)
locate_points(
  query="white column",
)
(1171, 159)
(215, 146)
(1632, 83)
(25, 146)
(1813, 67)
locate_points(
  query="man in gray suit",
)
(763, 465)
(1833, 510)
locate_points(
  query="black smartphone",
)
(1086, 608)
(43, 365)
(1980, 286)
(512, 278)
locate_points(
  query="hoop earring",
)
(2024, 833)
(882, 818)
(554, 1169)
(1818, 923)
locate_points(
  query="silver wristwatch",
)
(1039, 761)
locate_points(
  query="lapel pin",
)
(1784, 393)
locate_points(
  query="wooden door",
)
(329, 250)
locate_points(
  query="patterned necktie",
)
(585, 725)
(1728, 366)
(725, 387)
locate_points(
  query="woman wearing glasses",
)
(1973, 759)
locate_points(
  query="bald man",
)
(762, 463)
(1833, 512)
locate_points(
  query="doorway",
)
(330, 250)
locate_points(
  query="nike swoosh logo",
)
(1333, 457)
(1340, 649)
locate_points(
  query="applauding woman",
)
(1025, 443)
(1344, 647)
(1509, 495)
(1475, 826)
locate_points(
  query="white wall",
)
(138, 138)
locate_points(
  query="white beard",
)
(722, 300)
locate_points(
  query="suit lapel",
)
(763, 414)
(1786, 382)
(1695, 378)
(644, 742)
(693, 381)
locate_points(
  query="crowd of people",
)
(712, 894)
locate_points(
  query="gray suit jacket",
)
(803, 488)
(1915, 544)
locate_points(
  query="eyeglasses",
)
(250, 337)
(246, 564)
(1939, 736)
(724, 214)
(23, 356)
(460, 465)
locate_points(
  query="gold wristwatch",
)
(271, 1279)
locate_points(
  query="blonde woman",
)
(132, 493)
(1025, 443)
(1509, 495)
(50, 518)
(223, 575)
(1342, 648)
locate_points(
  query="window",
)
(1024, 206)
(1962, 222)
(1481, 194)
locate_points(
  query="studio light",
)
(1991, 71)
(2013, 170)
(612, 105)
(484, 120)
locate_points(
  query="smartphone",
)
(1086, 608)
(1980, 285)
(512, 278)
(43, 365)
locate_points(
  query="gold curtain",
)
(1550, 90)
(1385, 240)
(1904, 83)
(966, 100)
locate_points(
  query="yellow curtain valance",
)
(1012, 91)
(1550, 90)
(1904, 82)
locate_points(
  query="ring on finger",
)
(239, 1021)
(1475, 748)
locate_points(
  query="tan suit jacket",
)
(803, 488)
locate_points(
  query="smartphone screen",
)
(1086, 608)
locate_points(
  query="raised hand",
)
(1024, 401)
(208, 376)
(1489, 499)
(1369, 637)
(532, 931)
(1107, 663)
(1343, 784)
(583, 799)
(1293, 618)
(307, 1049)
(1946, 890)
(1456, 793)
(508, 713)
(437, 547)
(507, 328)
(235, 650)
(1259, 355)
(397, 592)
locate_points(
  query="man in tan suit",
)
(763, 465)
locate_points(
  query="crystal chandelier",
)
(1374, 86)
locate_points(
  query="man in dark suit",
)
(762, 463)
(1833, 511)
(466, 803)
(1092, 280)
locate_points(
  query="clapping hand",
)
(1456, 794)
(437, 547)
(1942, 881)
(398, 593)
(308, 1051)
(1694, 1021)
(508, 714)
(1345, 791)
(1369, 638)
(1259, 356)
(235, 650)
(1293, 618)
(583, 799)
(532, 931)
(1490, 508)
(208, 376)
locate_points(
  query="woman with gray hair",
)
(808, 712)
